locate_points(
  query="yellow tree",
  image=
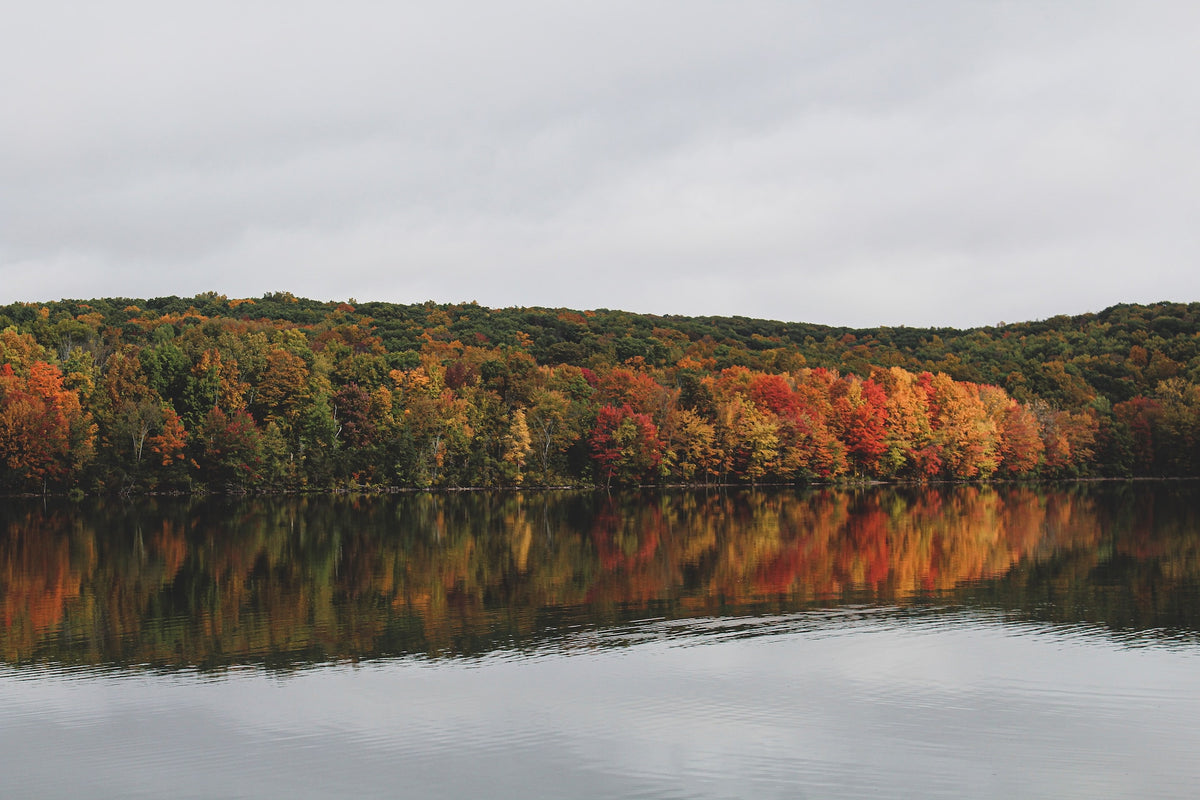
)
(692, 450)
(517, 446)
(1019, 447)
(962, 427)
(908, 432)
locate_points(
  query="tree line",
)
(281, 393)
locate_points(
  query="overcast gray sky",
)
(866, 163)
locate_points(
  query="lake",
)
(877, 642)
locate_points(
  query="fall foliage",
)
(213, 394)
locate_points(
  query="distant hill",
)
(1024, 358)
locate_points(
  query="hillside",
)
(281, 392)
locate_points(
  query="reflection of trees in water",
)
(288, 580)
(38, 578)
(1139, 572)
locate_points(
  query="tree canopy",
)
(284, 393)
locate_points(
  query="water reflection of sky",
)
(950, 705)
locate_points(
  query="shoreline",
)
(398, 490)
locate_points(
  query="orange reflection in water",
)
(211, 582)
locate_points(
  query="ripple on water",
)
(850, 702)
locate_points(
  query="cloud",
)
(941, 164)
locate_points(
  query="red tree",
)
(625, 445)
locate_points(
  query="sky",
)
(947, 162)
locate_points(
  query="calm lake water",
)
(882, 642)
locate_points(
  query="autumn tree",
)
(692, 450)
(909, 449)
(749, 438)
(860, 415)
(45, 435)
(963, 431)
(1140, 416)
(625, 445)
(1021, 446)
(283, 389)
(231, 454)
(518, 444)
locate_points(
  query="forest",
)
(280, 393)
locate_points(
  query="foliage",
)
(279, 392)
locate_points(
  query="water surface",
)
(942, 642)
